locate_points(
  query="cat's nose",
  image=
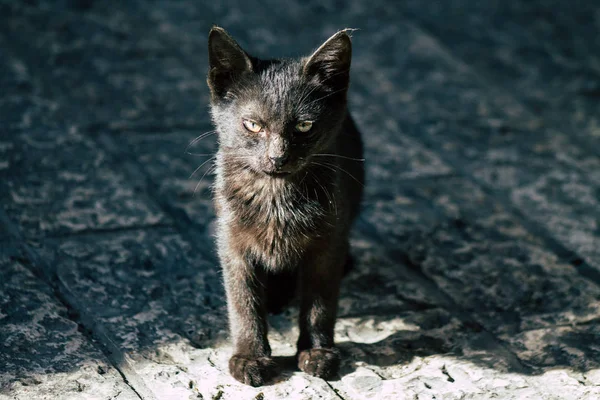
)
(278, 161)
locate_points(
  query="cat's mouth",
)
(283, 171)
(278, 174)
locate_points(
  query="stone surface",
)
(476, 254)
(472, 236)
(546, 58)
(43, 353)
(539, 171)
(92, 65)
(179, 167)
(61, 202)
(163, 307)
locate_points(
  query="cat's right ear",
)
(330, 63)
(227, 61)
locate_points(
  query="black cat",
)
(289, 181)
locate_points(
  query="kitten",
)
(289, 181)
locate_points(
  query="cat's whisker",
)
(304, 97)
(304, 177)
(341, 169)
(327, 166)
(338, 156)
(199, 138)
(326, 96)
(201, 165)
(330, 198)
(202, 136)
(350, 175)
(299, 187)
(208, 171)
(212, 168)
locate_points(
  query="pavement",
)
(477, 251)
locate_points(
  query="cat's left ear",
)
(330, 63)
(227, 61)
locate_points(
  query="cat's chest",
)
(271, 221)
(275, 211)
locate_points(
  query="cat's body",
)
(285, 195)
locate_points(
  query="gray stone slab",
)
(43, 148)
(5, 232)
(381, 286)
(565, 345)
(22, 106)
(46, 203)
(96, 71)
(63, 61)
(7, 229)
(562, 201)
(389, 153)
(167, 94)
(428, 354)
(544, 56)
(43, 354)
(501, 144)
(400, 355)
(422, 104)
(179, 166)
(483, 257)
(18, 112)
(475, 141)
(439, 377)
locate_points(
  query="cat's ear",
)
(330, 63)
(227, 61)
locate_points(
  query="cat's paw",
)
(252, 371)
(323, 363)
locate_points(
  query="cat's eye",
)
(304, 126)
(252, 126)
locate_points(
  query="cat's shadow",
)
(287, 366)
(397, 349)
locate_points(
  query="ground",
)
(478, 247)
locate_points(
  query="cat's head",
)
(272, 116)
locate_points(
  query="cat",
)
(288, 185)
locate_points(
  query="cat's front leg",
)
(251, 362)
(321, 277)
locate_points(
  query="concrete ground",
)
(478, 248)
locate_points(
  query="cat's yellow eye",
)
(304, 126)
(252, 126)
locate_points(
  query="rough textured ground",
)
(478, 248)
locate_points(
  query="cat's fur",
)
(285, 200)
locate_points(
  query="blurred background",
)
(478, 248)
